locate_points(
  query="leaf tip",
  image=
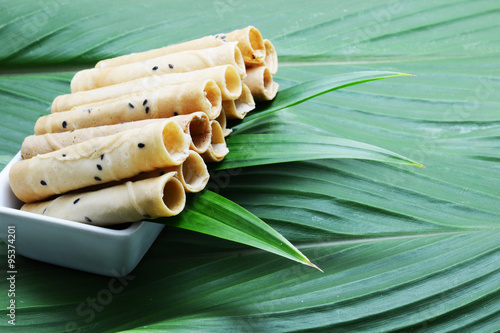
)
(314, 266)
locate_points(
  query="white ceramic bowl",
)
(104, 251)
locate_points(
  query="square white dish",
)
(89, 248)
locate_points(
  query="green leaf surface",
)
(303, 91)
(262, 149)
(211, 214)
(403, 249)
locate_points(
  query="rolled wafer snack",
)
(222, 120)
(218, 148)
(196, 125)
(226, 77)
(186, 61)
(250, 42)
(261, 83)
(195, 44)
(100, 160)
(271, 59)
(192, 173)
(238, 108)
(128, 202)
(163, 102)
(249, 39)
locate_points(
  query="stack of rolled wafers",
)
(137, 131)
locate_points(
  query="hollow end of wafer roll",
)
(271, 58)
(173, 198)
(257, 44)
(238, 108)
(218, 148)
(239, 62)
(213, 97)
(201, 133)
(222, 120)
(251, 44)
(176, 142)
(194, 173)
(197, 126)
(232, 88)
(261, 83)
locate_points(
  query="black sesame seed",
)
(141, 145)
(253, 56)
(97, 178)
(131, 105)
(99, 167)
(64, 124)
(44, 210)
(63, 155)
(147, 216)
(43, 183)
(102, 157)
(145, 102)
(155, 68)
(170, 66)
(74, 202)
(176, 113)
(223, 37)
(147, 109)
(88, 219)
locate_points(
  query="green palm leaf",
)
(211, 214)
(261, 149)
(402, 248)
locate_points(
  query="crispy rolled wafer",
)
(128, 202)
(196, 125)
(186, 61)
(226, 77)
(222, 120)
(250, 42)
(100, 160)
(218, 148)
(271, 59)
(249, 39)
(238, 108)
(196, 44)
(163, 102)
(192, 173)
(41, 144)
(261, 83)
